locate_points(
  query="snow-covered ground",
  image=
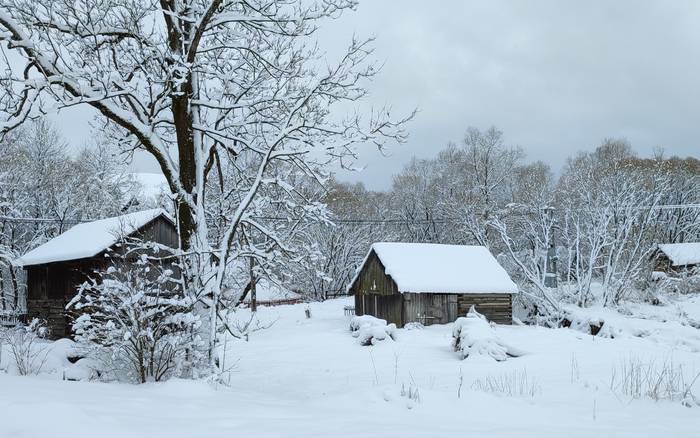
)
(311, 378)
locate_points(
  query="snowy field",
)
(311, 378)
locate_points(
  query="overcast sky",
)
(556, 76)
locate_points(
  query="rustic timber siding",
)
(496, 307)
(377, 294)
(430, 308)
(386, 307)
(662, 263)
(373, 280)
(51, 286)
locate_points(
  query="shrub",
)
(26, 347)
(135, 317)
(638, 379)
(513, 384)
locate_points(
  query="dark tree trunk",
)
(186, 158)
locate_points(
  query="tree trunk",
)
(187, 164)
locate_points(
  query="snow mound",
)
(370, 330)
(474, 336)
(84, 369)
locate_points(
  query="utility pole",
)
(550, 276)
(253, 281)
(251, 273)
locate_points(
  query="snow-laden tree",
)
(135, 320)
(490, 163)
(197, 83)
(610, 205)
(525, 231)
(43, 191)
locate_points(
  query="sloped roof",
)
(90, 238)
(435, 268)
(682, 254)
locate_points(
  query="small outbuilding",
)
(431, 284)
(673, 258)
(56, 269)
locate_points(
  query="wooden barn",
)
(431, 284)
(57, 268)
(672, 258)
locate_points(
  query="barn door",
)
(390, 308)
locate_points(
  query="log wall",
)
(496, 307)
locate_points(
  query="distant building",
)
(431, 284)
(673, 258)
(57, 268)
(268, 293)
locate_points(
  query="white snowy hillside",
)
(436, 268)
(90, 238)
(311, 378)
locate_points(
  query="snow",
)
(436, 268)
(307, 378)
(89, 239)
(682, 254)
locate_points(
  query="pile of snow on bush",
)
(369, 330)
(474, 336)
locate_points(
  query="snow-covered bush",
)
(135, 319)
(684, 282)
(26, 347)
(474, 336)
(369, 330)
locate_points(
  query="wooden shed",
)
(56, 269)
(672, 258)
(431, 284)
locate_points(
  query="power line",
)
(357, 221)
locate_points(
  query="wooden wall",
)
(373, 280)
(51, 286)
(496, 307)
(429, 308)
(388, 307)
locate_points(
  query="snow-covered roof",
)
(90, 238)
(435, 268)
(682, 254)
